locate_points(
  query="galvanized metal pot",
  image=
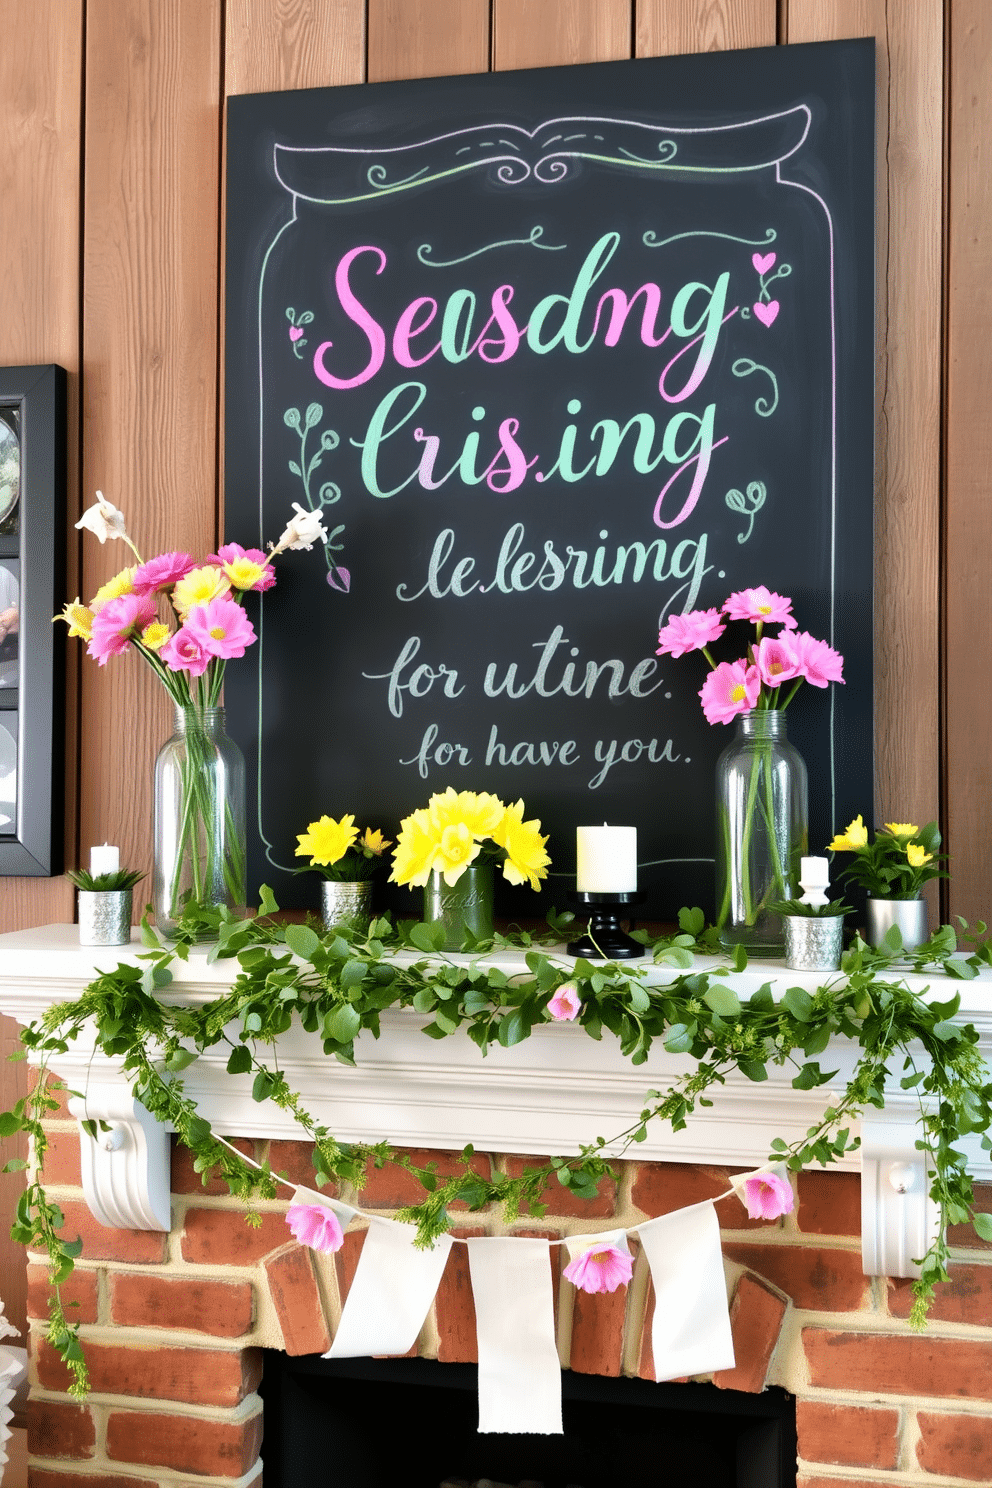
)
(909, 914)
(347, 906)
(104, 917)
(813, 942)
(464, 906)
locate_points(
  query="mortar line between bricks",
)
(896, 1479)
(235, 1415)
(946, 1405)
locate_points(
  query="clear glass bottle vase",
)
(761, 831)
(199, 820)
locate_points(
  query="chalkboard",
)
(559, 354)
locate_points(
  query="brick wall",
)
(172, 1325)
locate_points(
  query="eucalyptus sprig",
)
(338, 983)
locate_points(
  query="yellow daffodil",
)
(526, 859)
(326, 841)
(416, 849)
(199, 587)
(121, 583)
(374, 842)
(455, 851)
(901, 829)
(78, 618)
(155, 635)
(855, 835)
(917, 854)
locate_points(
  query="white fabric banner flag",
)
(690, 1333)
(519, 1370)
(391, 1294)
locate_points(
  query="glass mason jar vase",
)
(761, 831)
(465, 906)
(199, 820)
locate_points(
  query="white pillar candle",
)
(606, 860)
(105, 859)
(814, 878)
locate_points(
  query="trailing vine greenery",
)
(338, 985)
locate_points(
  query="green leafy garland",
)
(337, 985)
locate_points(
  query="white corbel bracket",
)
(126, 1167)
(899, 1220)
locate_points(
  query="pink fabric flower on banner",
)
(600, 1270)
(731, 688)
(117, 623)
(221, 627)
(690, 632)
(565, 1004)
(777, 660)
(761, 606)
(162, 572)
(767, 1195)
(184, 653)
(315, 1225)
(819, 663)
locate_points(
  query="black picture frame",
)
(32, 545)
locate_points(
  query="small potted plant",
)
(813, 924)
(348, 864)
(892, 870)
(104, 905)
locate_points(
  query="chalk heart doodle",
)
(766, 313)
(763, 261)
(295, 332)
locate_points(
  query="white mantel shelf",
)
(547, 1095)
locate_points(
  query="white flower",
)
(302, 531)
(103, 520)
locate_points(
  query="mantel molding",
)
(548, 1095)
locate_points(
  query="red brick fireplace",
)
(173, 1325)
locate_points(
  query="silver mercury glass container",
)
(104, 917)
(346, 905)
(909, 914)
(813, 942)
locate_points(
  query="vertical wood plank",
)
(427, 38)
(908, 331)
(666, 28)
(273, 45)
(41, 111)
(968, 445)
(150, 333)
(557, 33)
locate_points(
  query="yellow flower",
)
(121, 583)
(78, 618)
(199, 587)
(416, 849)
(455, 851)
(854, 836)
(917, 854)
(374, 843)
(326, 840)
(244, 573)
(155, 635)
(901, 829)
(526, 860)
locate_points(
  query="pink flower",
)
(315, 1225)
(244, 562)
(818, 662)
(221, 627)
(161, 572)
(184, 653)
(767, 1195)
(600, 1270)
(117, 623)
(731, 688)
(777, 660)
(689, 632)
(761, 606)
(564, 1006)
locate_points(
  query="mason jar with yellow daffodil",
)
(347, 862)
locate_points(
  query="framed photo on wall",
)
(32, 543)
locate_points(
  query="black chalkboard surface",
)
(559, 354)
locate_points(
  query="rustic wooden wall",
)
(112, 186)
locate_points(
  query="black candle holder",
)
(604, 940)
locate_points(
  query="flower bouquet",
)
(892, 871)
(347, 863)
(186, 620)
(761, 779)
(450, 848)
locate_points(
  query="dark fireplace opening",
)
(412, 1423)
